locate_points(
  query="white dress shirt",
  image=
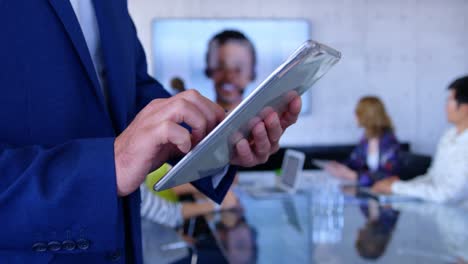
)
(84, 11)
(373, 160)
(447, 178)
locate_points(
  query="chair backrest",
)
(323, 152)
(413, 165)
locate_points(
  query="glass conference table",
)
(325, 223)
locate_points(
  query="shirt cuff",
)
(216, 179)
(397, 187)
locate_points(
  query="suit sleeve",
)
(64, 192)
(147, 90)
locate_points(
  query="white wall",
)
(405, 51)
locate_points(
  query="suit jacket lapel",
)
(117, 60)
(65, 13)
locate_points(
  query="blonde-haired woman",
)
(376, 155)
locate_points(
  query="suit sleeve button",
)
(39, 247)
(68, 245)
(54, 246)
(82, 244)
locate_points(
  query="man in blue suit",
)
(82, 123)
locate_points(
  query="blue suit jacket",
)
(58, 199)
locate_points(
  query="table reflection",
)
(373, 238)
(237, 237)
(324, 223)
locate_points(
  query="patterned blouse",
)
(389, 149)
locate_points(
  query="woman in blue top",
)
(376, 155)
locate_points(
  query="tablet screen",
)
(290, 171)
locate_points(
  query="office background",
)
(187, 59)
(405, 51)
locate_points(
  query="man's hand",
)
(155, 136)
(385, 186)
(265, 135)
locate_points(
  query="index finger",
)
(212, 112)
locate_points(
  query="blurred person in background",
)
(230, 63)
(177, 85)
(166, 208)
(376, 156)
(172, 214)
(447, 178)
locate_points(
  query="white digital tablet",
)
(298, 73)
(287, 182)
(291, 169)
